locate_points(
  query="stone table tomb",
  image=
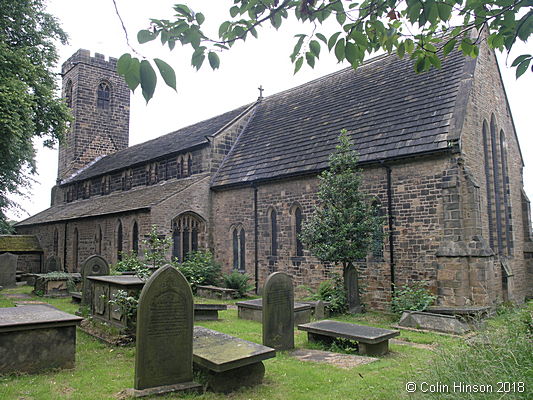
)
(253, 310)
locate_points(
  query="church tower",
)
(100, 103)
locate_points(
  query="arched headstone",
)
(320, 310)
(52, 263)
(278, 312)
(352, 290)
(8, 269)
(163, 354)
(95, 265)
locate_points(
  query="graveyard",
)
(304, 369)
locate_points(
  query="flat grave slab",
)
(253, 310)
(35, 338)
(229, 362)
(371, 341)
(345, 361)
(433, 322)
(208, 312)
(215, 292)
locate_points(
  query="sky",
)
(265, 62)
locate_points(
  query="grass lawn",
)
(103, 372)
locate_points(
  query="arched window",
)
(273, 232)
(189, 166)
(497, 184)
(239, 249)
(135, 238)
(68, 94)
(98, 240)
(56, 242)
(297, 230)
(377, 237)
(488, 182)
(506, 194)
(181, 168)
(185, 232)
(119, 241)
(75, 244)
(103, 96)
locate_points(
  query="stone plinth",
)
(253, 310)
(228, 362)
(208, 312)
(35, 338)
(105, 288)
(215, 292)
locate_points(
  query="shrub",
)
(239, 282)
(415, 297)
(126, 304)
(130, 261)
(200, 268)
(331, 290)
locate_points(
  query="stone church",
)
(439, 154)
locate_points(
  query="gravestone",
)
(278, 314)
(320, 310)
(93, 266)
(352, 290)
(163, 358)
(52, 263)
(8, 270)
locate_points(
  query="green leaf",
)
(400, 50)
(298, 64)
(310, 58)
(148, 80)
(445, 11)
(409, 46)
(275, 20)
(435, 61)
(233, 11)
(448, 47)
(123, 64)
(297, 47)
(359, 38)
(350, 51)
(522, 67)
(332, 40)
(167, 72)
(213, 59)
(144, 36)
(200, 18)
(341, 18)
(322, 37)
(339, 50)
(183, 9)
(223, 28)
(133, 75)
(314, 46)
(519, 59)
(198, 58)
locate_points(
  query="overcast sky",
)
(94, 25)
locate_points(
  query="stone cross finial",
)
(260, 92)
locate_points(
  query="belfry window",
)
(103, 96)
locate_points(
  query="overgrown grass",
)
(103, 372)
(497, 363)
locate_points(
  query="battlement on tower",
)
(84, 56)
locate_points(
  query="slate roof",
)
(388, 110)
(20, 244)
(139, 198)
(173, 142)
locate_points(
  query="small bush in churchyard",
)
(413, 297)
(126, 304)
(239, 282)
(130, 261)
(156, 247)
(332, 291)
(200, 268)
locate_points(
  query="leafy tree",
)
(344, 225)
(156, 248)
(29, 106)
(424, 30)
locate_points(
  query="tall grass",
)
(499, 360)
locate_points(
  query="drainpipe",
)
(256, 244)
(390, 211)
(65, 248)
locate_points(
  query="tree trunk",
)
(352, 289)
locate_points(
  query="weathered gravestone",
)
(352, 290)
(278, 314)
(163, 358)
(93, 266)
(52, 263)
(8, 270)
(320, 310)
